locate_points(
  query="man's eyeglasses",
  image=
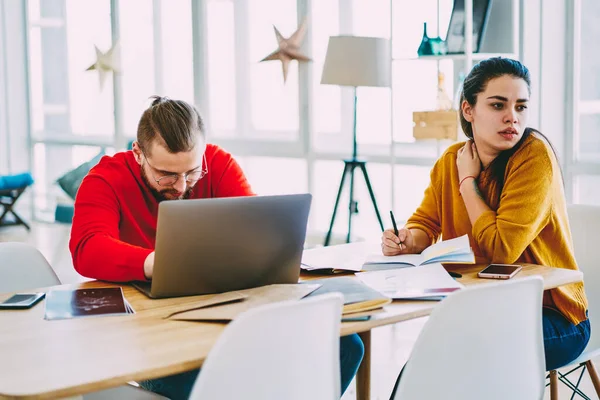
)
(191, 177)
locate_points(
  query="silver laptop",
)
(217, 245)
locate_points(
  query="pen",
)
(394, 223)
(395, 227)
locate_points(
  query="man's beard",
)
(160, 195)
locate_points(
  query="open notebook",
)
(457, 250)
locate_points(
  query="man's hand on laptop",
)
(149, 265)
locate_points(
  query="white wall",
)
(14, 119)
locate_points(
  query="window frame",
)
(336, 145)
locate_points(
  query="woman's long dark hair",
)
(476, 83)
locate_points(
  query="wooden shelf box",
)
(435, 125)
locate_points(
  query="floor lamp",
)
(356, 61)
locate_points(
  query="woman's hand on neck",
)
(486, 154)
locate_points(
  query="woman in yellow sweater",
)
(503, 188)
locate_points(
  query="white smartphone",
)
(500, 271)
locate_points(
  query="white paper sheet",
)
(425, 282)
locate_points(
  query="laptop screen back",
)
(216, 245)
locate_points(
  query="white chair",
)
(483, 342)
(22, 268)
(287, 350)
(584, 221)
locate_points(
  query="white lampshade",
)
(357, 61)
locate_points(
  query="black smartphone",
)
(21, 301)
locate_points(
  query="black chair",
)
(8, 198)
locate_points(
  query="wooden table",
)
(49, 359)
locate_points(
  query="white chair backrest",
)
(483, 342)
(23, 267)
(287, 350)
(584, 221)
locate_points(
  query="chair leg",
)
(7, 201)
(553, 385)
(593, 375)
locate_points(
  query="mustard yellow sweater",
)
(528, 225)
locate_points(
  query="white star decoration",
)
(289, 49)
(106, 62)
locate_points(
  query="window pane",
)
(270, 175)
(326, 98)
(51, 162)
(33, 10)
(81, 154)
(414, 85)
(589, 141)
(410, 182)
(274, 104)
(365, 222)
(221, 66)
(137, 60)
(39, 174)
(587, 189)
(373, 119)
(91, 106)
(373, 115)
(177, 63)
(36, 82)
(327, 176)
(372, 18)
(590, 62)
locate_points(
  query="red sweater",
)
(114, 226)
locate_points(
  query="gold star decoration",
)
(106, 63)
(289, 49)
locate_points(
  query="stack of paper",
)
(358, 297)
(429, 282)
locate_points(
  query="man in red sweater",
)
(116, 209)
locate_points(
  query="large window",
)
(289, 137)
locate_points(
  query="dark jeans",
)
(563, 341)
(180, 386)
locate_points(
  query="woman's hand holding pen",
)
(392, 244)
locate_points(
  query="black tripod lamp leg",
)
(351, 209)
(366, 175)
(337, 201)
